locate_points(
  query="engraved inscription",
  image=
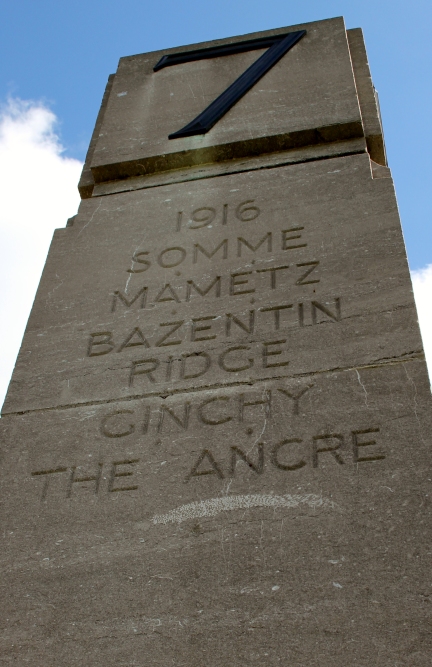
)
(73, 479)
(288, 455)
(240, 343)
(226, 325)
(204, 216)
(234, 284)
(238, 407)
(92, 481)
(173, 256)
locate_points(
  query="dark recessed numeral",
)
(278, 46)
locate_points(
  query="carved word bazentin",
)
(210, 327)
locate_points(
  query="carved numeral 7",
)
(278, 45)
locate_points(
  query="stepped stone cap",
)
(319, 92)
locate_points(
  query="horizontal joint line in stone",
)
(203, 176)
(193, 390)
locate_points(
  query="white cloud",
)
(39, 194)
(422, 285)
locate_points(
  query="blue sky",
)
(62, 53)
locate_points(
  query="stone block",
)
(287, 520)
(308, 97)
(221, 281)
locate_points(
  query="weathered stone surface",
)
(345, 312)
(216, 442)
(86, 182)
(315, 559)
(308, 97)
(368, 97)
(204, 171)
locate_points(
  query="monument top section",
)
(239, 97)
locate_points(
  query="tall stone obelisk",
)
(217, 438)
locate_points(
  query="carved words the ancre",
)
(287, 455)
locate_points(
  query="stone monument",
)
(217, 438)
